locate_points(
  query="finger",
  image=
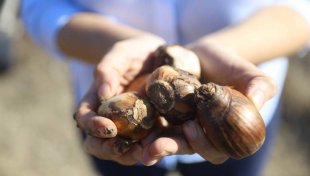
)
(109, 149)
(252, 82)
(110, 72)
(108, 80)
(101, 148)
(260, 89)
(196, 138)
(99, 126)
(165, 146)
(163, 141)
(132, 156)
(88, 120)
(147, 157)
(151, 137)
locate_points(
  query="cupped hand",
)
(177, 140)
(125, 61)
(224, 67)
(219, 65)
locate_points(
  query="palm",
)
(123, 63)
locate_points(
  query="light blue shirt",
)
(178, 21)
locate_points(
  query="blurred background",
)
(39, 137)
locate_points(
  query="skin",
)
(271, 32)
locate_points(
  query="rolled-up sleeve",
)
(43, 19)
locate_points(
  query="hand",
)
(123, 63)
(101, 132)
(101, 140)
(224, 67)
(186, 139)
(119, 66)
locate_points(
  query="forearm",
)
(272, 32)
(89, 36)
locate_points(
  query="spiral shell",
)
(230, 120)
(171, 91)
(179, 57)
(133, 116)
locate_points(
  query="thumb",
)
(107, 82)
(260, 89)
(165, 146)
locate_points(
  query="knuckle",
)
(272, 85)
(99, 70)
(77, 117)
(267, 84)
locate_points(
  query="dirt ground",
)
(38, 136)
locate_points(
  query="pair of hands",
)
(129, 58)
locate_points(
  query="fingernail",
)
(107, 132)
(162, 154)
(190, 129)
(258, 98)
(104, 91)
(155, 158)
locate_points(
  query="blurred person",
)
(241, 43)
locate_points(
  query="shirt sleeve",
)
(43, 19)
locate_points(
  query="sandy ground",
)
(38, 136)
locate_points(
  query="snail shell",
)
(133, 116)
(138, 84)
(230, 120)
(179, 57)
(171, 91)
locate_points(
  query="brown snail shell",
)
(133, 116)
(138, 84)
(171, 91)
(230, 120)
(179, 57)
